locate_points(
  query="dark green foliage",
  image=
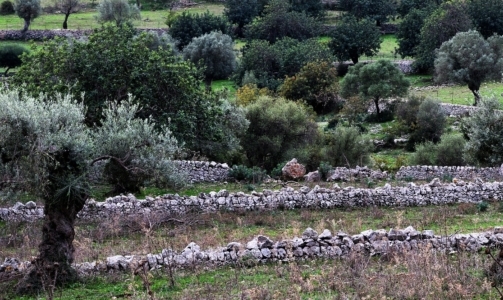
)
(482, 206)
(352, 39)
(312, 8)
(406, 6)
(406, 111)
(484, 130)
(241, 12)
(27, 10)
(409, 33)
(7, 8)
(188, 26)
(277, 126)
(486, 16)
(214, 53)
(374, 81)
(447, 20)
(468, 58)
(10, 56)
(316, 84)
(115, 62)
(243, 173)
(377, 10)
(430, 120)
(279, 22)
(450, 150)
(324, 169)
(270, 63)
(347, 147)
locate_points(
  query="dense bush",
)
(346, 146)
(270, 63)
(430, 122)
(10, 56)
(251, 175)
(406, 111)
(450, 150)
(277, 127)
(316, 84)
(7, 8)
(425, 154)
(188, 26)
(280, 21)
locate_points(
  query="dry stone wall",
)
(434, 193)
(460, 172)
(310, 245)
(203, 171)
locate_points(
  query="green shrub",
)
(425, 154)
(450, 150)
(406, 111)
(482, 206)
(7, 8)
(430, 123)
(243, 173)
(346, 146)
(277, 128)
(324, 169)
(10, 56)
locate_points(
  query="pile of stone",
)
(203, 171)
(310, 245)
(459, 172)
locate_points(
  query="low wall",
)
(433, 193)
(40, 35)
(310, 245)
(203, 171)
(464, 173)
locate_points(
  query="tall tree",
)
(353, 38)
(409, 33)
(374, 81)
(468, 58)
(47, 149)
(377, 10)
(486, 16)
(241, 12)
(117, 11)
(280, 21)
(215, 51)
(67, 7)
(27, 10)
(447, 20)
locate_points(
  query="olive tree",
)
(484, 130)
(27, 10)
(67, 7)
(47, 150)
(117, 11)
(215, 51)
(470, 59)
(352, 39)
(374, 81)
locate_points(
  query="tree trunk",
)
(376, 102)
(353, 54)
(53, 265)
(65, 22)
(27, 22)
(207, 82)
(6, 71)
(476, 96)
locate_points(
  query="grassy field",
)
(87, 20)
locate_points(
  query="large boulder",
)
(293, 170)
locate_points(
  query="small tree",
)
(277, 126)
(316, 84)
(188, 26)
(10, 56)
(468, 58)
(430, 120)
(346, 146)
(27, 10)
(67, 7)
(7, 8)
(215, 52)
(118, 11)
(374, 81)
(353, 38)
(377, 10)
(484, 130)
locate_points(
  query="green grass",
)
(218, 85)
(460, 94)
(387, 51)
(86, 20)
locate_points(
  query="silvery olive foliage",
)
(117, 11)
(27, 10)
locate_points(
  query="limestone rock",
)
(312, 176)
(293, 170)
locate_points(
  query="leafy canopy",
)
(374, 81)
(117, 11)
